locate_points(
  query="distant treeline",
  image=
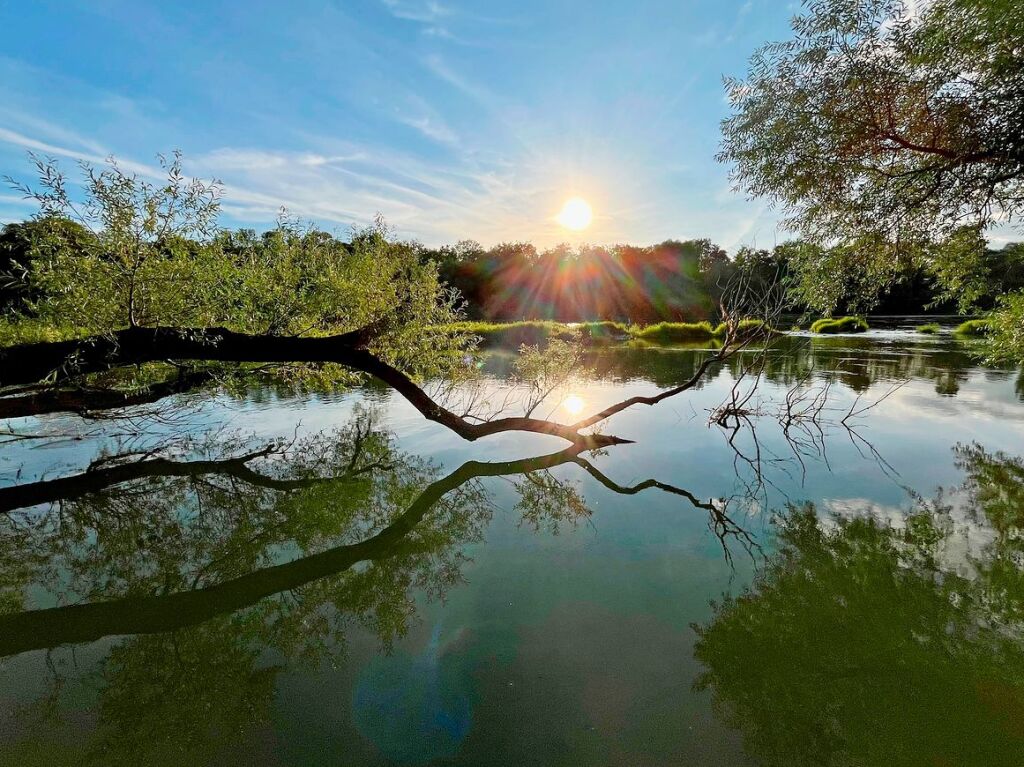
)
(671, 281)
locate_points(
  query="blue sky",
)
(453, 119)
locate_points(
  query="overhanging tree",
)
(888, 135)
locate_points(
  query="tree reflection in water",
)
(869, 642)
(222, 569)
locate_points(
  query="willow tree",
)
(891, 131)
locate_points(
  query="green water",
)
(374, 590)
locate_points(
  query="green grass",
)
(929, 329)
(512, 334)
(972, 328)
(695, 331)
(839, 325)
(605, 330)
(745, 328)
(675, 331)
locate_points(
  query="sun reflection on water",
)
(573, 404)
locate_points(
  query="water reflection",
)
(855, 362)
(224, 569)
(204, 604)
(874, 641)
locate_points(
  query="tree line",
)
(676, 280)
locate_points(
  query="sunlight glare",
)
(576, 214)
(573, 404)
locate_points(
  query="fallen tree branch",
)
(57, 361)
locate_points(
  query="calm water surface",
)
(373, 590)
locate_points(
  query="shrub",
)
(839, 325)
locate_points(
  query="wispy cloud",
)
(54, 150)
(432, 15)
(425, 12)
(432, 129)
(717, 35)
(445, 142)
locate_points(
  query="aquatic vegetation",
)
(530, 332)
(929, 328)
(676, 331)
(533, 332)
(972, 328)
(839, 325)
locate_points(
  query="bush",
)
(972, 328)
(839, 325)
(929, 329)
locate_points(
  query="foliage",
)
(669, 281)
(364, 531)
(149, 255)
(889, 139)
(16, 329)
(929, 328)
(42, 239)
(839, 325)
(138, 266)
(873, 120)
(1006, 329)
(514, 334)
(543, 371)
(510, 334)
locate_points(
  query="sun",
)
(576, 214)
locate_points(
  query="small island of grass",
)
(839, 325)
(972, 328)
(512, 334)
